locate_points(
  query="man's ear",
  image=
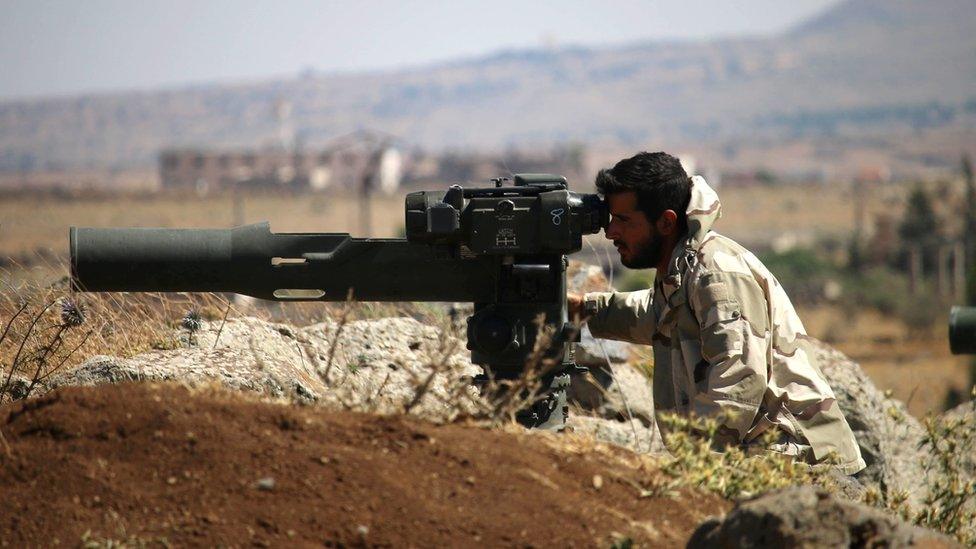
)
(667, 223)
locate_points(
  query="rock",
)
(965, 415)
(593, 353)
(965, 411)
(844, 486)
(375, 365)
(632, 435)
(804, 516)
(887, 434)
(618, 392)
(583, 277)
(613, 389)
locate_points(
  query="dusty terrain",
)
(157, 464)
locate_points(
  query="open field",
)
(31, 223)
(917, 368)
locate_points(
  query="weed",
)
(41, 334)
(950, 506)
(732, 472)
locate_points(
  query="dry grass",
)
(950, 502)
(35, 224)
(39, 339)
(47, 328)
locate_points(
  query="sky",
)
(64, 47)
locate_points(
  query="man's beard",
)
(647, 256)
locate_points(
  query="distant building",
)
(873, 174)
(207, 170)
(478, 168)
(345, 166)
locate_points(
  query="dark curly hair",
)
(659, 180)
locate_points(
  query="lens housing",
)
(962, 330)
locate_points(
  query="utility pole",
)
(959, 272)
(856, 258)
(914, 269)
(942, 270)
(369, 182)
(969, 230)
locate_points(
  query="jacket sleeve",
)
(732, 375)
(625, 316)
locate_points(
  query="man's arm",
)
(732, 375)
(625, 316)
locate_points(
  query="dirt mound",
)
(147, 463)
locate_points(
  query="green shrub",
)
(879, 288)
(801, 271)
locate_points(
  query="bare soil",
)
(159, 464)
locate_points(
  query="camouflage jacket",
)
(728, 344)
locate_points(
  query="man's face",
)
(632, 233)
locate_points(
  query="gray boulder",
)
(379, 365)
(889, 437)
(15, 387)
(617, 391)
(583, 277)
(633, 435)
(963, 417)
(383, 365)
(804, 516)
(965, 411)
(594, 353)
(613, 389)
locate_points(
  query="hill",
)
(871, 66)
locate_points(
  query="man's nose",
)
(611, 231)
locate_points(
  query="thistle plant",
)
(37, 340)
(72, 313)
(191, 322)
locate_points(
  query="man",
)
(727, 341)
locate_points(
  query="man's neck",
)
(665, 261)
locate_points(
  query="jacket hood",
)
(703, 209)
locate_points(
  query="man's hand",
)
(574, 304)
